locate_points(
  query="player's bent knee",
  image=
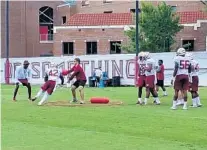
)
(80, 88)
(73, 88)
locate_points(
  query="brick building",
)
(27, 20)
(50, 28)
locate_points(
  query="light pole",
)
(137, 41)
(7, 65)
(137, 27)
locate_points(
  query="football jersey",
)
(183, 64)
(142, 65)
(160, 75)
(22, 73)
(195, 68)
(53, 74)
(150, 62)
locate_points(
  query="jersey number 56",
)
(184, 64)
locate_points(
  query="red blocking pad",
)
(99, 100)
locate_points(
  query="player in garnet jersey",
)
(180, 76)
(51, 78)
(80, 80)
(160, 77)
(141, 76)
(194, 81)
(150, 70)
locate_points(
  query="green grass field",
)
(25, 126)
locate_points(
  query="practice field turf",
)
(25, 126)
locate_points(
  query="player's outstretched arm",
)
(73, 75)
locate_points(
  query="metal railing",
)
(46, 37)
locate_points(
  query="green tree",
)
(157, 27)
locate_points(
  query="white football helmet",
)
(181, 52)
(141, 54)
(190, 55)
(147, 55)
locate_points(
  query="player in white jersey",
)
(52, 74)
(22, 75)
(141, 76)
(180, 100)
(150, 70)
(194, 81)
(180, 76)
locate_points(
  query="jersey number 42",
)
(53, 73)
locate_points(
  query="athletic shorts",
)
(78, 83)
(194, 84)
(150, 81)
(49, 86)
(23, 81)
(141, 81)
(160, 83)
(181, 82)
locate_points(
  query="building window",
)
(85, 2)
(132, 10)
(174, 8)
(46, 24)
(68, 48)
(188, 45)
(63, 19)
(91, 48)
(107, 12)
(115, 47)
(107, 1)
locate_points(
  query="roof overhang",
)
(125, 27)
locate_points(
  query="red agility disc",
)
(99, 100)
(64, 72)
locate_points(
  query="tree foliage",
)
(157, 27)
